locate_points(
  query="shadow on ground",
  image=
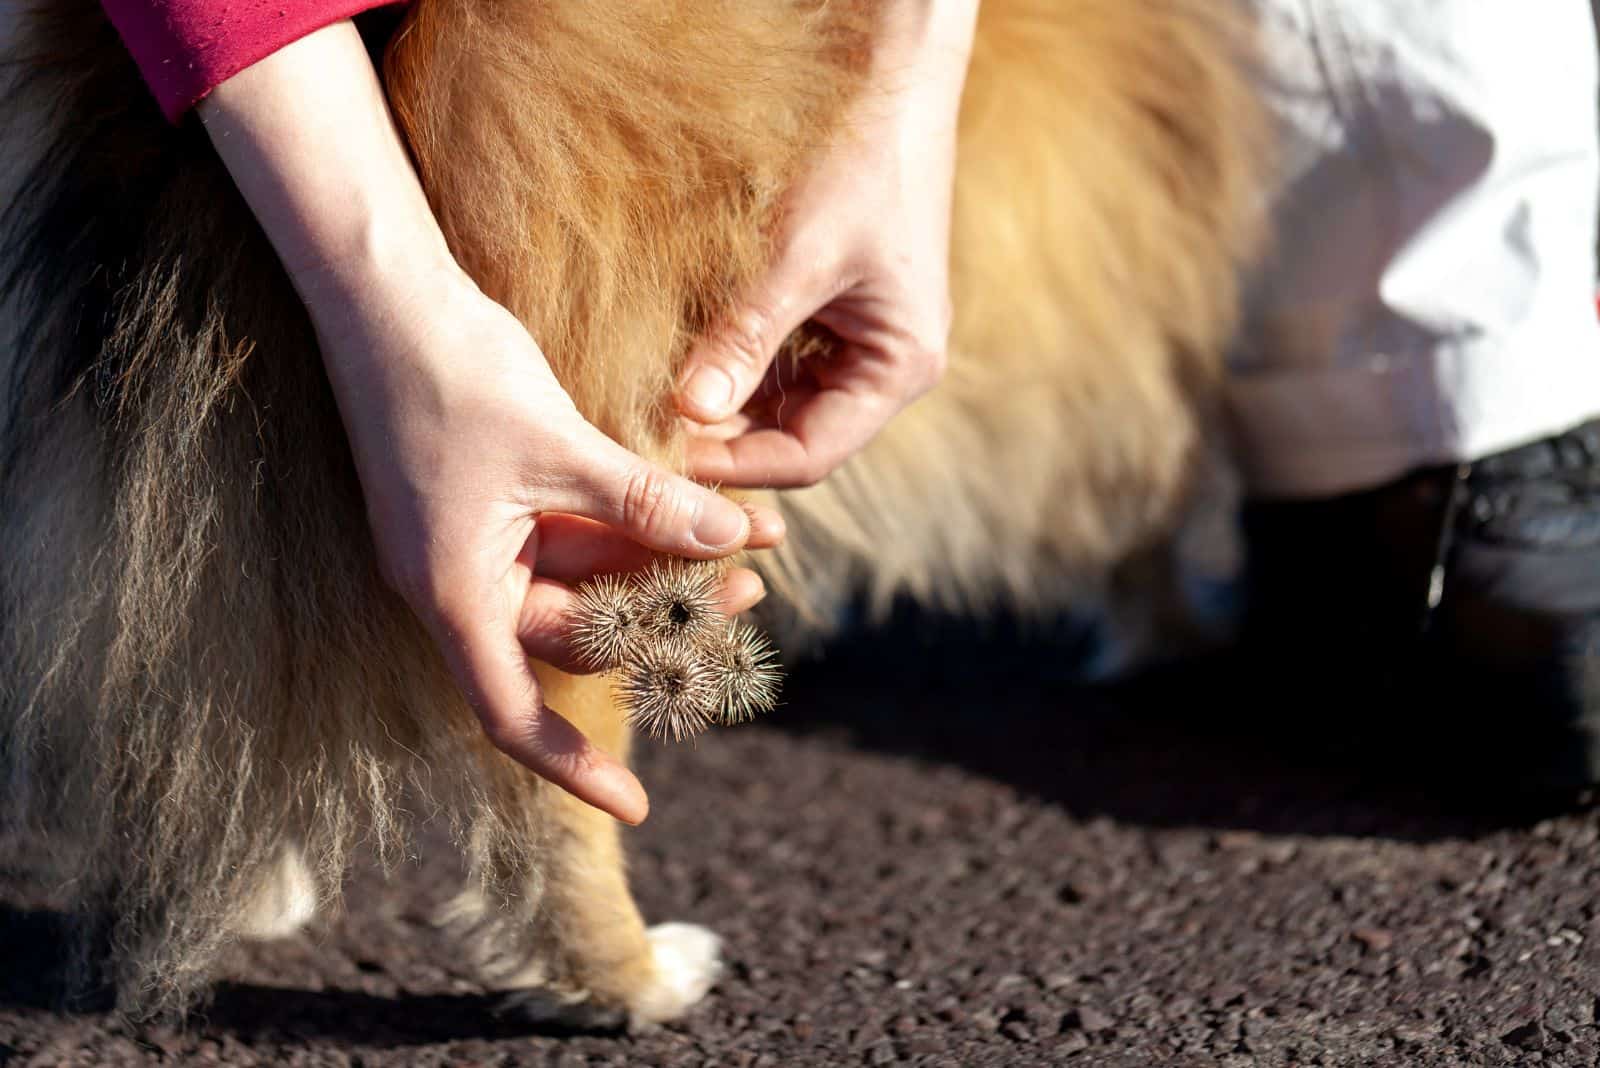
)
(34, 977)
(1207, 743)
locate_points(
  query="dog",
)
(210, 697)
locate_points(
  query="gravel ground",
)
(953, 857)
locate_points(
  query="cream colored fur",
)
(200, 663)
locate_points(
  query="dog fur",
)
(208, 697)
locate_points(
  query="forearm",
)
(308, 138)
(327, 174)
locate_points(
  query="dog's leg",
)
(284, 902)
(584, 956)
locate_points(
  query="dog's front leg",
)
(284, 901)
(566, 940)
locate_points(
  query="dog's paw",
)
(684, 960)
(285, 902)
(688, 962)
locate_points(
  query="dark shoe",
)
(1459, 606)
(1514, 643)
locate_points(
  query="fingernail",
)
(721, 523)
(710, 391)
(768, 526)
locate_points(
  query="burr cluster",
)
(679, 664)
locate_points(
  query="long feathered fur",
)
(1107, 200)
(199, 663)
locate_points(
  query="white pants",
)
(1431, 296)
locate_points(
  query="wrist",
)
(379, 265)
(390, 323)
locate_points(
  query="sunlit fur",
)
(202, 670)
(1107, 192)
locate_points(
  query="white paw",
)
(284, 903)
(688, 961)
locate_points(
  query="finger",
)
(742, 590)
(725, 367)
(767, 528)
(825, 428)
(731, 427)
(646, 502)
(489, 663)
(572, 548)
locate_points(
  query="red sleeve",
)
(186, 48)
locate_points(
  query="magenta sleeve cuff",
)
(186, 48)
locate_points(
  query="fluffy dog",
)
(208, 695)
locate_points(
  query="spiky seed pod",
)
(667, 690)
(677, 601)
(605, 621)
(744, 669)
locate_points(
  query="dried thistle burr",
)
(744, 669)
(667, 690)
(605, 621)
(677, 601)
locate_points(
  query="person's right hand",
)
(486, 491)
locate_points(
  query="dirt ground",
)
(946, 854)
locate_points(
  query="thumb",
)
(656, 508)
(725, 368)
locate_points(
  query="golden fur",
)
(204, 678)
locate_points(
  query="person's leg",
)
(1431, 298)
(1424, 518)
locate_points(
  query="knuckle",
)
(921, 350)
(745, 337)
(651, 503)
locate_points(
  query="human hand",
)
(487, 492)
(489, 496)
(863, 251)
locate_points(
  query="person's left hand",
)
(864, 252)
